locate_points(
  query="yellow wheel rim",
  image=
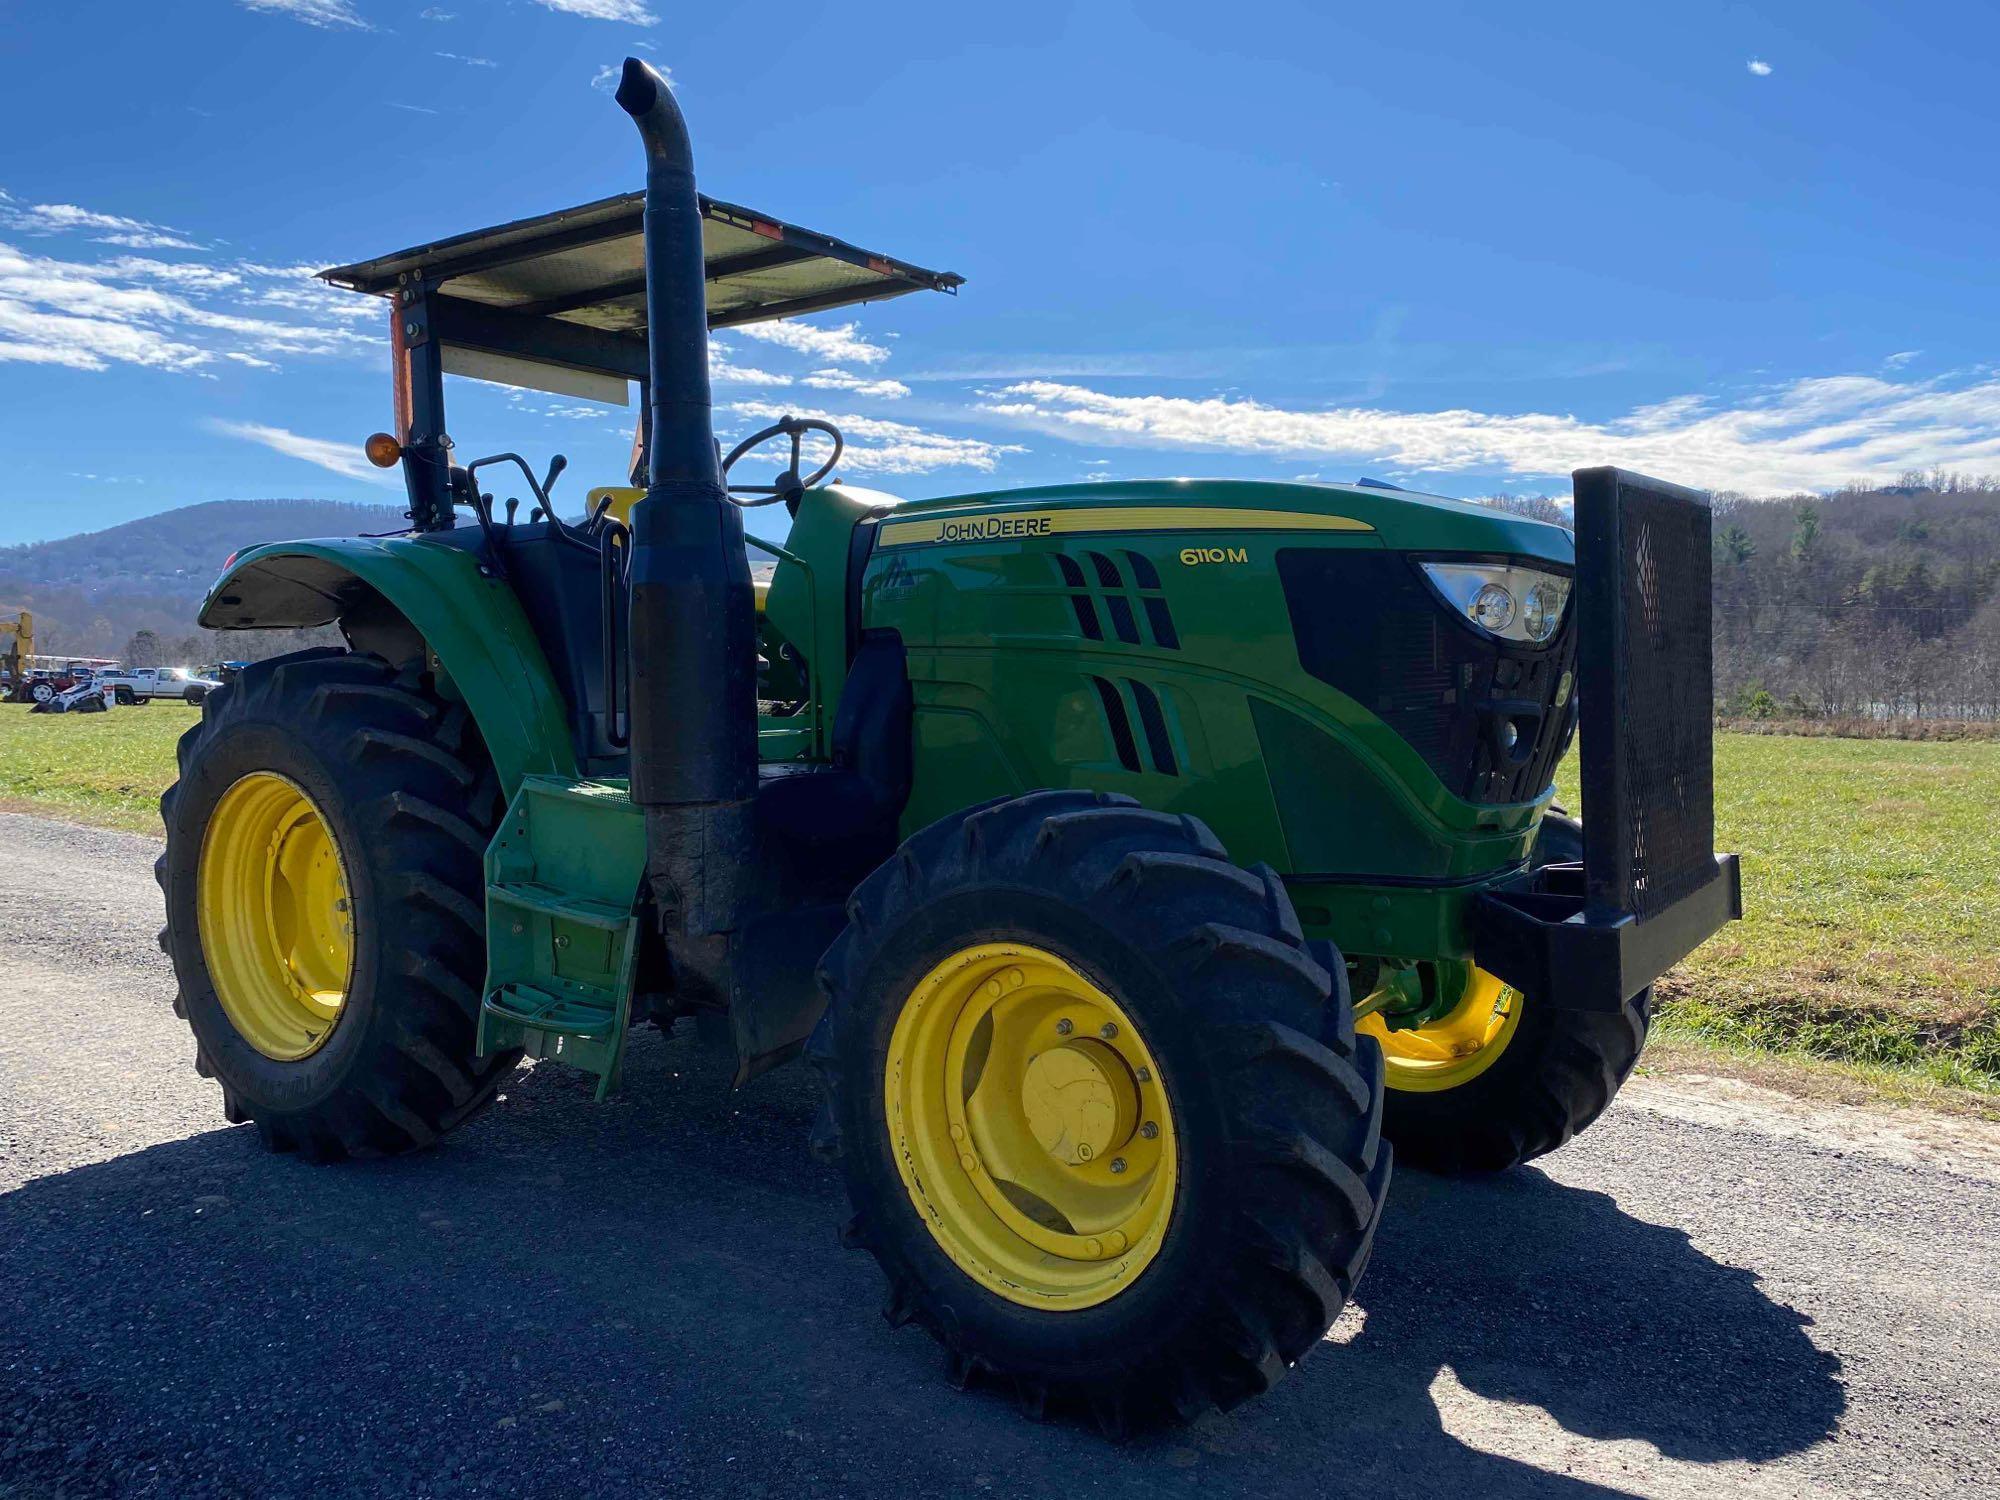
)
(271, 902)
(1454, 1049)
(1031, 1127)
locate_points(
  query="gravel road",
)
(1715, 1292)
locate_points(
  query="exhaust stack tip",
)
(640, 88)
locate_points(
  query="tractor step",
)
(562, 884)
(530, 896)
(578, 1012)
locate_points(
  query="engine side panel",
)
(1162, 663)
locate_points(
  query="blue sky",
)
(1467, 247)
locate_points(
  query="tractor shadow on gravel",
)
(1522, 1291)
(571, 1298)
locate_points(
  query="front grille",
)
(1645, 676)
(1368, 625)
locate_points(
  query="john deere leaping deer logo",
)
(896, 577)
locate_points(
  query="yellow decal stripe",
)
(1016, 525)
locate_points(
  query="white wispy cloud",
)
(162, 315)
(434, 13)
(724, 371)
(877, 446)
(841, 344)
(32, 336)
(860, 385)
(1804, 434)
(300, 292)
(106, 229)
(340, 458)
(183, 273)
(1902, 357)
(629, 11)
(1758, 66)
(328, 15)
(605, 79)
(147, 239)
(470, 62)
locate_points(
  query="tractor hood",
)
(1398, 520)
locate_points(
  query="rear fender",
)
(401, 596)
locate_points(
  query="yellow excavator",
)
(17, 644)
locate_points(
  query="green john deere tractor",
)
(1134, 861)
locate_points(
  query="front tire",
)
(1555, 1072)
(1203, 1012)
(1528, 1076)
(324, 891)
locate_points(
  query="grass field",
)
(107, 768)
(1871, 875)
(1871, 871)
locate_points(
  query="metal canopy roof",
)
(586, 267)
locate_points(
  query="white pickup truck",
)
(143, 684)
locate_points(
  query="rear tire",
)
(408, 799)
(1273, 1105)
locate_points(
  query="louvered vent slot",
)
(1079, 598)
(1158, 618)
(1154, 723)
(1119, 722)
(1112, 582)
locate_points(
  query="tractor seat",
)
(622, 496)
(861, 792)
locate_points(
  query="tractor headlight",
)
(1503, 599)
(1541, 610)
(1492, 608)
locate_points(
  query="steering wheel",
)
(789, 486)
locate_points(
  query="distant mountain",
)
(181, 549)
(92, 592)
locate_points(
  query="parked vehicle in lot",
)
(37, 679)
(143, 684)
(86, 695)
(34, 687)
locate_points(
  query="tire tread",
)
(417, 780)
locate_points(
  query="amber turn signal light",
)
(382, 450)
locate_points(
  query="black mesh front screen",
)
(1645, 675)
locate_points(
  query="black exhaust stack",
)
(693, 620)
